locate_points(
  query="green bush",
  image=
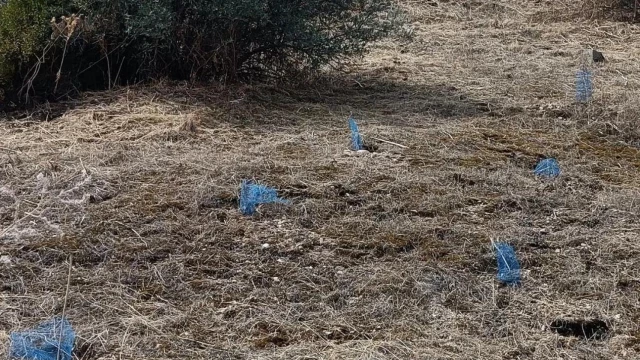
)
(24, 27)
(133, 40)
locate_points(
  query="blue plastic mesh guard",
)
(356, 138)
(508, 265)
(548, 168)
(584, 86)
(252, 195)
(51, 340)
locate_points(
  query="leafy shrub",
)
(24, 27)
(134, 40)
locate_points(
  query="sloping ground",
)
(385, 255)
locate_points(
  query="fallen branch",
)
(390, 142)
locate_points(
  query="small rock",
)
(5, 259)
(265, 246)
(597, 56)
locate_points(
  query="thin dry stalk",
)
(64, 306)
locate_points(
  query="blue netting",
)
(51, 340)
(584, 86)
(252, 195)
(548, 168)
(508, 265)
(356, 138)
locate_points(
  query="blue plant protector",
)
(508, 265)
(252, 195)
(51, 340)
(584, 86)
(356, 138)
(548, 168)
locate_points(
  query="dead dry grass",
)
(382, 256)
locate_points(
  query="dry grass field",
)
(385, 255)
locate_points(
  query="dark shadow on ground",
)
(325, 99)
(384, 100)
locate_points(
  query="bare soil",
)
(385, 255)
